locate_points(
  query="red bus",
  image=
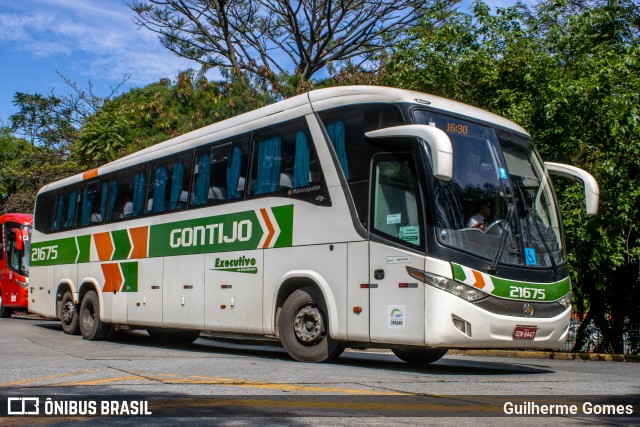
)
(14, 262)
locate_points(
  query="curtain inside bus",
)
(103, 200)
(112, 198)
(176, 185)
(57, 223)
(159, 189)
(138, 194)
(337, 137)
(87, 202)
(233, 173)
(268, 165)
(301, 163)
(71, 212)
(202, 181)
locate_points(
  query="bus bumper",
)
(452, 322)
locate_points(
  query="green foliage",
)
(24, 169)
(572, 78)
(43, 120)
(163, 110)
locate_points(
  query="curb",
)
(557, 355)
(519, 354)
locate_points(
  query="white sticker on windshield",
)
(394, 218)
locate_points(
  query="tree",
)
(269, 38)
(569, 73)
(42, 120)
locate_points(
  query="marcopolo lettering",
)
(210, 234)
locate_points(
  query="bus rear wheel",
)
(304, 328)
(69, 315)
(91, 327)
(419, 355)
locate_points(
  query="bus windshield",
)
(499, 205)
(18, 259)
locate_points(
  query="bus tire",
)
(304, 328)
(69, 315)
(91, 327)
(420, 356)
(4, 311)
(173, 336)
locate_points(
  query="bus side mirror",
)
(19, 241)
(591, 189)
(439, 142)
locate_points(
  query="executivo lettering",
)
(241, 264)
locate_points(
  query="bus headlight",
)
(456, 288)
(565, 301)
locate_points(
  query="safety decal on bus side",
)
(511, 289)
(255, 229)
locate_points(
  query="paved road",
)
(38, 359)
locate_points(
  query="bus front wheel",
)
(69, 315)
(4, 311)
(419, 355)
(91, 327)
(304, 328)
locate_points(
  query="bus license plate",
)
(524, 332)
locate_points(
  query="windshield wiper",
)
(503, 240)
(554, 267)
(529, 212)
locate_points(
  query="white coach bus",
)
(351, 216)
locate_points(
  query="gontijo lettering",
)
(210, 234)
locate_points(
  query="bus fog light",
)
(565, 301)
(462, 325)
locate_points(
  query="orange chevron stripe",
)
(139, 238)
(113, 277)
(104, 245)
(479, 280)
(272, 230)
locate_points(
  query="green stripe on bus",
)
(527, 291)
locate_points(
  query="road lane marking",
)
(48, 377)
(243, 383)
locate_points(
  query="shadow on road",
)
(355, 359)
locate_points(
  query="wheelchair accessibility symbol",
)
(530, 256)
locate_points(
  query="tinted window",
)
(220, 172)
(284, 161)
(126, 194)
(346, 127)
(169, 180)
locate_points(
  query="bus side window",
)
(65, 211)
(169, 184)
(220, 171)
(92, 200)
(44, 213)
(395, 200)
(285, 159)
(127, 194)
(345, 128)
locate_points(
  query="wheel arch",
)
(297, 279)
